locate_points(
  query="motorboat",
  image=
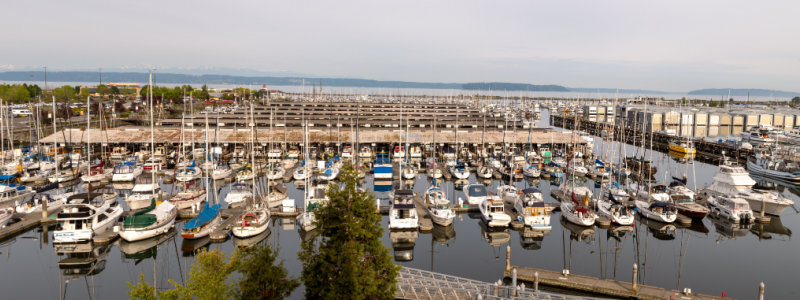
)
(475, 193)
(685, 146)
(760, 134)
(154, 163)
(275, 153)
(347, 151)
(403, 211)
(383, 166)
(85, 216)
(532, 209)
(659, 211)
(365, 152)
(615, 211)
(149, 222)
(494, 163)
(238, 194)
(126, 171)
(765, 162)
(293, 152)
(438, 206)
(10, 191)
(146, 183)
(409, 172)
(688, 207)
(415, 151)
(34, 205)
(530, 171)
(37, 176)
(733, 180)
(120, 153)
(493, 212)
(732, 208)
(189, 197)
(274, 172)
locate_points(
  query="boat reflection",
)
(532, 239)
(84, 259)
(251, 241)
(774, 227)
(403, 242)
(661, 231)
(495, 236)
(144, 249)
(578, 233)
(696, 226)
(444, 234)
(727, 229)
(307, 236)
(190, 247)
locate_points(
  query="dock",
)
(603, 287)
(24, 222)
(425, 223)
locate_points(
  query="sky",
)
(668, 46)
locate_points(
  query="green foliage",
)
(84, 93)
(796, 100)
(683, 100)
(33, 89)
(114, 90)
(64, 93)
(159, 91)
(262, 277)
(351, 255)
(721, 104)
(14, 93)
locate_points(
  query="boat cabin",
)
(403, 206)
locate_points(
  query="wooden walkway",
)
(607, 287)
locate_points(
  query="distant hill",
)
(73, 76)
(620, 91)
(503, 86)
(743, 92)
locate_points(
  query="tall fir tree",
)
(348, 261)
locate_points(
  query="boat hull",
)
(138, 235)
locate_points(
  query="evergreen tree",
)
(349, 262)
(262, 277)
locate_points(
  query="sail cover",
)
(205, 216)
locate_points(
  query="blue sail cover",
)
(203, 217)
(616, 184)
(599, 163)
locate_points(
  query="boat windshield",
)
(477, 191)
(443, 206)
(239, 188)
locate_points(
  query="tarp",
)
(477, 190)
(530, 191)
(6, 177)
(205, 216)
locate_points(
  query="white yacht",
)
(615, 211)
(460, 172)
(735, 209)
(766, 163)
(86, 216)
(126, 171)
(409, 172)
(531, 207)
(415, 152)
(399, 151)
(475, 193)
(252, 223)
(34, 205)
(5, 216)
(438, 206)
(660, 211)
(365, 152)
(759, 135)
(493, 212)
(733, 180)
(403, 211)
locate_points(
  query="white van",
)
(21, 112)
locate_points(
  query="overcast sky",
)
(658, 45)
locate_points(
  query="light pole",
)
(101, 75)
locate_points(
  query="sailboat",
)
(202, 225)
(314, 196)
(149, 222)
(438, 206)
(255, 219)
(615, 211)
(577, 213)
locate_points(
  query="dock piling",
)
(536, 281)
(635, 270)
(508, 258)
(44, 209)
(761, 291)
(514, 277)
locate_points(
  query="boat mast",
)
(88, 139)
(55, 145)
(152, 139)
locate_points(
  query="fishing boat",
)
(760, 134)
(238, 194)
(189, 197)
(615, 211)
(85, 216)
(152, 221)
(734, 180)
(5, 216)
(476, 193)
(765, 162)
(532, 209)
(659, 211)
(732, 208)
(685, 146)
(126, 171)
(403, 211)
(438, 206)
(493, 212)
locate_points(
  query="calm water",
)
(710, 257)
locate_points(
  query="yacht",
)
(152, 221)
(577, 167)
(126, 171)
(660, 211)
(759, 134)
(615, 211)
(735, 209)
(438, 206)
(494, 163)
(10, 191)
(409, 172)
(238, 194)
(221, 171)
(315, 198)
(615, 190)
(245, 173)
(403, 212)
(415, 152)
(97, 173)
(484, 172)
(383, 167)
(347, 151)
(531, 207)
(493, 212)
(300, 174)
(475, 193)
(85, 216)
(733, 180)
(120, 153)
(64, 175)
(5, 216)
(34, 205)
(766, 163)
(277, 193)
(460, 171)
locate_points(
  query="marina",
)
(586, 251)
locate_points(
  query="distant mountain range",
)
(744, 92)
(503, 86)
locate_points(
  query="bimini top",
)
(403, 199)
(477, 190)
(205, 216)
(531, 191)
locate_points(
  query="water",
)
(710, 257)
